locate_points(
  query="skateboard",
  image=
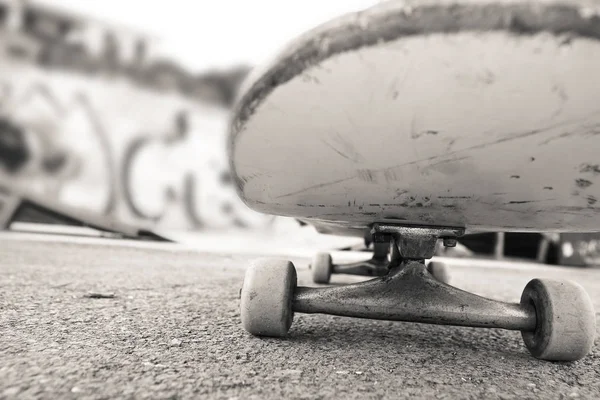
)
(415, 123)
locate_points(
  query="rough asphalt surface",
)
(102, 321)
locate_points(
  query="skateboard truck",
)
(322, 266)
(409, 292)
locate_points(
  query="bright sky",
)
(217, 33)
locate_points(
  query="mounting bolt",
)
(449, 242)
(380, 238)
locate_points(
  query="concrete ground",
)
(98, 319)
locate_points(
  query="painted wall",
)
(107, 145)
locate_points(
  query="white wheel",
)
(321, 268)
(439, 271)
(566, 321)
(266, 299)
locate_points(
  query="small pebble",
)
(175, 342)
(99, 295)
(11, 391)
(291, 371)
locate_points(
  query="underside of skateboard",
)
(556, 318)
(411, 119)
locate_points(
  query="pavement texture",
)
(103, 320)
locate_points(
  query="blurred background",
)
(120, 109)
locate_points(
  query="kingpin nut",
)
(449, 242)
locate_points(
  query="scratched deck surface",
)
(476, 114)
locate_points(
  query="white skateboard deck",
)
(476, 114)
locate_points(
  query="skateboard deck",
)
(418, 121)
(483, 115)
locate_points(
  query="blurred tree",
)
(166, 75)
(233, 80)
(219, 86)
(110, 55)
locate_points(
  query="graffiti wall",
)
(105, 144)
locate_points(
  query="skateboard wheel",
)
(566, 321)
(267, 294)
(321, 268)
(439, 271)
